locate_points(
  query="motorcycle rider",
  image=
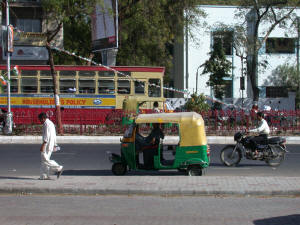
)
(263, 130)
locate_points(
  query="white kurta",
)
(49, 137)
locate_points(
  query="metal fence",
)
(95, 122)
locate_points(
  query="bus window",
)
(28, 73)
(106, 86)
(86, 86)
(87, 73)
(13, 86)
(46, 86)
(67, 85)
(124, 74)
(139, 87)
(123, 87)
(29, 85)
(67, 73)
(45, 73)
(154, 88)
(106, 73)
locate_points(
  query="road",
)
(91, 159)
(144, 210)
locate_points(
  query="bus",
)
(82, 89)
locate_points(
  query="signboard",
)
(30, 39)
(28, 53)
(66, 101)
(105, 26)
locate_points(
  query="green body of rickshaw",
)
(192, 153)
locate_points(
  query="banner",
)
(66, 101)
(104, 26)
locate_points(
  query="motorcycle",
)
(272, 151)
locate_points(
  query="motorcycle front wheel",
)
(230, 158)
(276, 157)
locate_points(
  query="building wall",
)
(28, 54)
(198, 52)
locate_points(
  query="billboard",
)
(27, 53)
(105, 26)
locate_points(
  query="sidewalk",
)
(154, 185)
(116, 139)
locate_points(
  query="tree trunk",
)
(252, 74)
(56, 97)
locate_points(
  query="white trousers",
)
(47, 165)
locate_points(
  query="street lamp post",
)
(8, 119)
(197, 79)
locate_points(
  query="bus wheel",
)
(194, 170)
(119, 169)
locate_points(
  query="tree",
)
(149, 29)
(218, 67)
(286, 76)
(56, 13)
(197, 103)
(275, 13)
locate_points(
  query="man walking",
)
(49, 143)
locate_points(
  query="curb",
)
(166, 193)
(116, 139)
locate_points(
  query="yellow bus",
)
(82, 88)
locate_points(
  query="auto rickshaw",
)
(191, 154)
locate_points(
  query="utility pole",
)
(298, 74)
(9, 49)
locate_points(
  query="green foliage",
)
(284, 75)
(218, 67)
(197, 103)
(149, 29)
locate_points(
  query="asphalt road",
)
(144, 210)
(91, 159)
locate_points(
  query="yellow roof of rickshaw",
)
(191, 125)
(180, 117)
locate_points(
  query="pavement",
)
(161, 184)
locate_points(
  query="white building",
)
(280, 48)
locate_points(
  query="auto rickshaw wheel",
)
(119, 169)
(194, 170)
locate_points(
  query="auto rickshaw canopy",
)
(191, 125)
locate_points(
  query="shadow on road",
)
(16, 178)
(239, 165)
(290, 220)
(130, 173)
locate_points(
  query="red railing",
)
(109, 122)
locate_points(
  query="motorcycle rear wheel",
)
(276, 161)
(228, 158)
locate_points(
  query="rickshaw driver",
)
(143, 143)
(155, 135)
